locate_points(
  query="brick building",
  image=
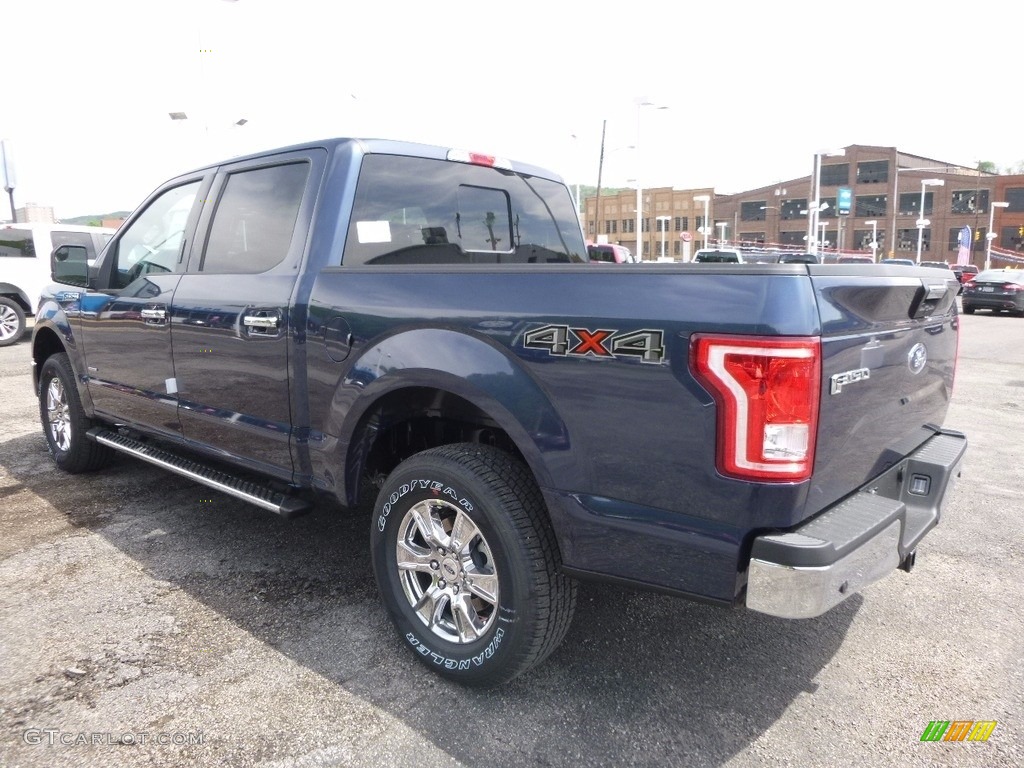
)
(879, 184)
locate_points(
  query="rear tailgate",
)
(889, 346)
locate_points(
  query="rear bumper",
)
(806, 571)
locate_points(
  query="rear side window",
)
(412, 210)
(255, 218)
(16, 242)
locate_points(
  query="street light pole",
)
(721, 231)
(640, 104)
(874, 239)
(813, 206)
(706, 199)
(923, 222)
(822, 225)
(896, 198)
(990, 235)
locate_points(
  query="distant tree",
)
(987, 166)
(1015, 170)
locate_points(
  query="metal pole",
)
(10, 194)
(988, 236)
(920, 225)
(874, 241)
(812, 209)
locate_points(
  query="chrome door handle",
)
(259, 321)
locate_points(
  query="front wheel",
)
(64, 421)
(467, 564)
(12, 322)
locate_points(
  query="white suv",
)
(25, 267)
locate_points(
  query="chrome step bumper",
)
(804, 572)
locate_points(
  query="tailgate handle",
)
(928, 298)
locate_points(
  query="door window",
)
(255, 218)
(152, 243)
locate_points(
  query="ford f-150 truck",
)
(369, 319)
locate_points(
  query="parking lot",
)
(145, 620)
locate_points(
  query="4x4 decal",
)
(562, 341)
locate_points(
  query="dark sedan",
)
(995, 289)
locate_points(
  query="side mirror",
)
(69, 264)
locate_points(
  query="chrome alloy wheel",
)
(58, 414)
(447, 571)
(8, 322)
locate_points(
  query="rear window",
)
(411, 210)
(16, 242)
(716, 257)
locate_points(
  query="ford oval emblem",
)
(917, 358)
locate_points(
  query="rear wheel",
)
(467, 564)
(12, 322)
(64, 421)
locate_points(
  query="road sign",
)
(685, 237)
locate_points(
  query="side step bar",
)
(254, 493)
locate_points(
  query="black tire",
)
(12, 322)
(968, 310)
(64, 421)
(521, 604)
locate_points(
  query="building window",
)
(682, 223)
(646, 224)
(752, 238)
(906, 239)
(791, 209)
(830, 206)
(1010, 238)
(754, 211)
(910, 203)
(700, 222)
(873, 172)
(1015, 197)
(628, 225)
(862, 239)
(969, 201)
(867, 206)
(676, 248)
(835, 175)
(793, 238)
(647, 248)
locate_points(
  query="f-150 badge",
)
(840, 380)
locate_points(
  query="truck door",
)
(124, 323)
(234, 324)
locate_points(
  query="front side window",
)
(255, 218)
(411, 210)
(152, 243)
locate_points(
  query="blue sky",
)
(750, 93)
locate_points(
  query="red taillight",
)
(478, 158)
(767, 391)
(1013, 287)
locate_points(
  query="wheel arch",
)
(13, 292)
(399, 410)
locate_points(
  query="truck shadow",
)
(641, 678)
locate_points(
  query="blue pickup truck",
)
(417, 327)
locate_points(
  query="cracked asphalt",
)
(149, 621)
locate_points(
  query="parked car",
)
(798, 258)
(854, 259)
(718, 256)
(608, 253)
(964, 272)
(25, 267)
(995, 289)
(899, 262)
